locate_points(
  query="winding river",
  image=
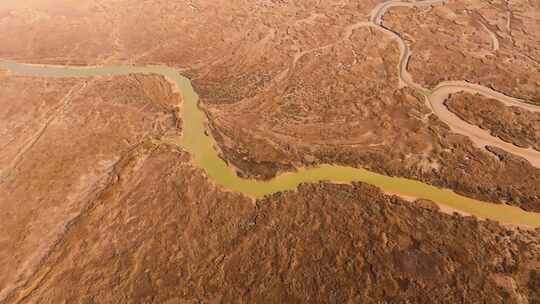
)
(437, 96)
(204, 154)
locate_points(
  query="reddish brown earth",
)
(96, 208)
(290, 84)
(512, 124)
(160, 233)
(458, 41)
(355, 115)
(61, 141)
(111, 214)
(173, 32)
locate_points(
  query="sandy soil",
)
(509, 123)
(61, 141)
(96, 209)
(451, 42)
(179, 239)
(316, 71)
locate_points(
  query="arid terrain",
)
(98, 203)
(477, 41)
(61, 142)
(512, 124)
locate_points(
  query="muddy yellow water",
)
(202, 149)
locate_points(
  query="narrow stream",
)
(205, 156)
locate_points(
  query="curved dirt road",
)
(438, 95)
(378, 12)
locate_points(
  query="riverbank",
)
(201, 147)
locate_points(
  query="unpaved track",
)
(378, 12)
(494, 40)
(437, 96)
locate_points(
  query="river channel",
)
(204, 155)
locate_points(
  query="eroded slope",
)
(161, 233)
(342, 104)
(260, 77)
(61, 140)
